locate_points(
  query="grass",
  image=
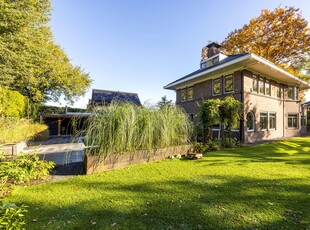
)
(259, 187)
(14, 130)
(125, 127)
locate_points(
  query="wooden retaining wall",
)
(95, 164)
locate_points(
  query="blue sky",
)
(140, 46)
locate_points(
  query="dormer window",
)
(212, 61)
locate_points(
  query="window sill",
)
(228, 92)
(263, 130)
(250, 131)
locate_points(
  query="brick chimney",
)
(210, 50)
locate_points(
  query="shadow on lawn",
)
(296, 152)
(212, 202)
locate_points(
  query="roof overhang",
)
(251, 62)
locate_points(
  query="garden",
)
(254, 187)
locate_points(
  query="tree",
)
(209, 116)
(30, 61)
(164, 102)
(230, 112)
(281, 36)
(215, 111)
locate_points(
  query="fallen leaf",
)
(270, 203)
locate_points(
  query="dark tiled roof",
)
(106, 97)
(227, 59)
(307, 103)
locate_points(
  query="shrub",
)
(229, 142)
(15, 130)
(200, 147)
(23, 168)
(126, 127)
(12, 216)
(12, 104)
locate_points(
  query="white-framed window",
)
(296, 93)
(190, 93)
(292, 121)
(250, 121)
(261, 86)
(272, 120)
(267, 88)
(229, 83)
(290, 93)
(217, 86)
(216, 60)
(254, 84)
(278, 88)
(183, 94)
(263, 120)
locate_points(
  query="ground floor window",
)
(292, 121)
(250, 121)
(263, 120)
(272, 120)
(303, 121)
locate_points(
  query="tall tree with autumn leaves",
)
(281, 36)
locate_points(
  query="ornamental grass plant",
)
(125, 127)
(14, 130)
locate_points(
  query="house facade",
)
(270, 95)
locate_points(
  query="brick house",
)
(272, 108)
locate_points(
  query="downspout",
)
(283, 101)
(242, 101)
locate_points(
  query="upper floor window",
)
(190, 93)
(278, 91)
(261, 86)
(296, 93)
(183, 94)
(216, 60)
(290, 92)
(203, 65)
(292, 121)
(210, 62)
(250, 121)
(229, 83)
(254, 84)
(217, 86)
(267, 87)
(263, 120)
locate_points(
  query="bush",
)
(126, 127)
(12, 216)
(200, 147)
(229, 142)
(23, 168)
(12, 104)
(14, 130)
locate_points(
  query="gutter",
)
(242, 58)
(208, 71)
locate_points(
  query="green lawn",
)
(259, 187)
